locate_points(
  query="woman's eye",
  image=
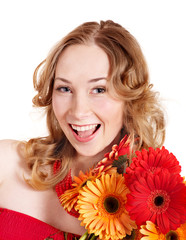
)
(98, 90)
(64, 89)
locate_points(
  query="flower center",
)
(158, 201)
(152, 169)
(172, 235)
(111, 204)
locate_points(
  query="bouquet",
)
(146, 200)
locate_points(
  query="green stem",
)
(93, 237)
(84, 236)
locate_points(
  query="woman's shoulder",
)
(9, 156)
(8, 147)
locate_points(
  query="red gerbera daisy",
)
(152, 161)
(117, 150)
(160, 198)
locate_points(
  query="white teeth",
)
(84, 128)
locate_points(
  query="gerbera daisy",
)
(69, 197)
(184, 181)
(160, 198)
(101, 205)
(135, 235)
(151, 232)
(117, 150)
(178, 234)
(152, 161)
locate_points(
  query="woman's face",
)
(89, 117)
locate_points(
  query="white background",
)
(28, 29)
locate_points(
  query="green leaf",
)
(120, 163)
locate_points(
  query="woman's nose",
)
(80, 107)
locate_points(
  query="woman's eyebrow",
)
(62, 79)
(91, 80)
(97, 79)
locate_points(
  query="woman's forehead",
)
(89, 60)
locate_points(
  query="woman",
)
(94, 87)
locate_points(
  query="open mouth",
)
(85, 131)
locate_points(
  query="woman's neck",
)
(84, 163)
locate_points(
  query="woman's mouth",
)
(85, 132)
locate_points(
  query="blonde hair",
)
(128, 76)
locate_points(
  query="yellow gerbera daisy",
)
(101, 205)
(151, 232)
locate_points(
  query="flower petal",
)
(93, 188)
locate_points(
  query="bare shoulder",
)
(8, 147)
(9, 156)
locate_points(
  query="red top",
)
(18, 226)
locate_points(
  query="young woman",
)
(94, 87)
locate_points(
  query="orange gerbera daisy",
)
(69, 198)
(152, 232)
(135, 235)
(180, 233)
(184, 181)
(101, 205)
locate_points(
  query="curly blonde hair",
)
(128, 76)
